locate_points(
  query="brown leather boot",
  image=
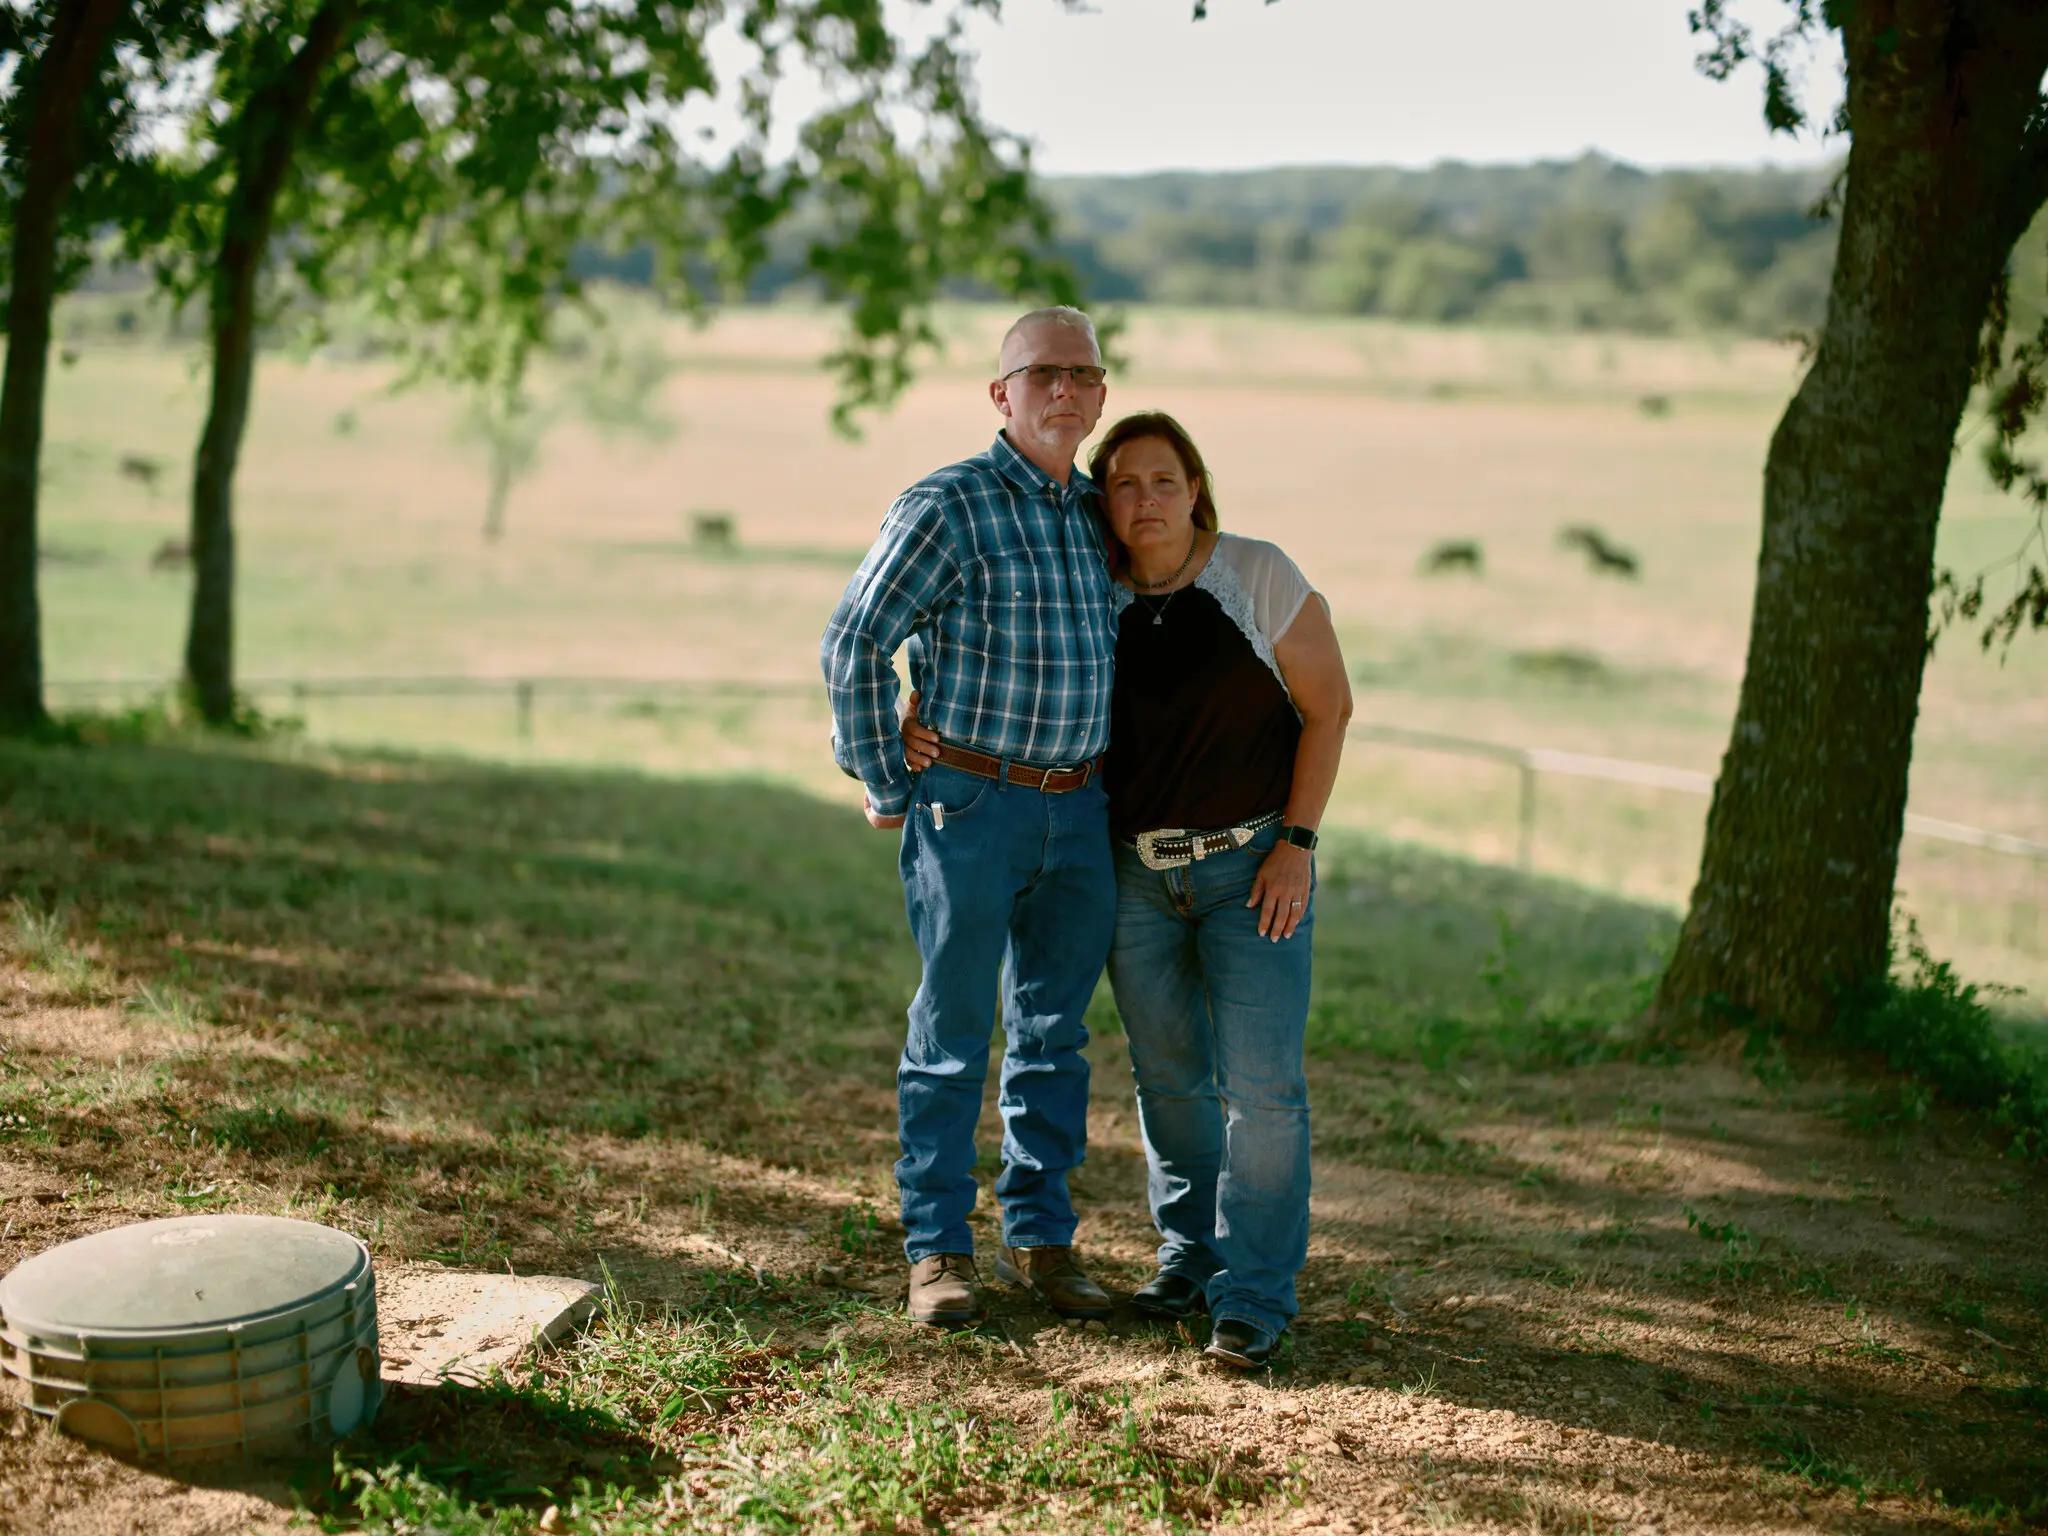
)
(1053, 1273)
(942, 1293)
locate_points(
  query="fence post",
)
(1525, 856)
(523, 691)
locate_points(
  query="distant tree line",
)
(1589, 243)
(1586, 244)
(1582, 244)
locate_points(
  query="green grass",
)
(1746, 1260)
(556, 926)
(1353, 445)
(662, 1419)
(42, 940)
(1795, 1453)
(574, 1020)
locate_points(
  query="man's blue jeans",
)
(1000, 882)
(1216, 1017)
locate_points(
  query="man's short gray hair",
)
(1056, 314)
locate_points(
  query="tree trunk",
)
(78, 38)
(500, 493)
(274, 117)
(1795, 888)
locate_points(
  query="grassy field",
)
(621, 997)
(1356, 446)
(642, 1028)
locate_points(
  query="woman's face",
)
(1151, 502)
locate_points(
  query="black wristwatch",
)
(1301, 837)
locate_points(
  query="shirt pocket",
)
(1009, 588)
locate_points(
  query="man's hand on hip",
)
(877, 819)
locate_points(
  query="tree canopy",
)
(459, 156)
(445, 163)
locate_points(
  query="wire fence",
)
(1529, 763)
(1530, 766)
(1532, 762)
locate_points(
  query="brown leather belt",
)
(1053, 781)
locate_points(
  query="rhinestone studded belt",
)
(1171, 847)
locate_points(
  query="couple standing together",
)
(1127, 726)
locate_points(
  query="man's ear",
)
(999, 395)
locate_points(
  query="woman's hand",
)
(1280, 890)
(920, 741)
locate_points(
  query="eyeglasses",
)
(1046, 375)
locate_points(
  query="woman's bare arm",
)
(1312, 665)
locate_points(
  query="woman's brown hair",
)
(1143, 424)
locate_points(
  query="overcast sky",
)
(1135, 85)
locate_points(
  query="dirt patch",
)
(1476, 1350)
(54, 1486)
(1633, 1294)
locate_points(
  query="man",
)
(992, 569)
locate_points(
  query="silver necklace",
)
(1159, 613)
(1143, 589)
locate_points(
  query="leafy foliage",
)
(1730, 43)
(2014, 385)
(460, 155)
(119, 175)
(1935, 1028)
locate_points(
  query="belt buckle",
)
(1148, 843)
(1045, 780)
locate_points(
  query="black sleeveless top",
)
(1202, 733)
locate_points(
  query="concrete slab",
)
(436, 1324)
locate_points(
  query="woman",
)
(1226, 725)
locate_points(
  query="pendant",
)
(1159, 618)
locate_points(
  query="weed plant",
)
(1939, 1033)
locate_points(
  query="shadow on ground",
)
(603, 1024)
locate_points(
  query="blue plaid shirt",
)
(998, 581)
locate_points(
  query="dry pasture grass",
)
(1356, 446)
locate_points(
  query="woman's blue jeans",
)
(999, 881)
(1216, 1017)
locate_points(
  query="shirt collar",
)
(1027, 476)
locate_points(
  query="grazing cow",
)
(171, 555)
(1453, 555)
(1603, 553)
(713, 530)
(141, 468)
